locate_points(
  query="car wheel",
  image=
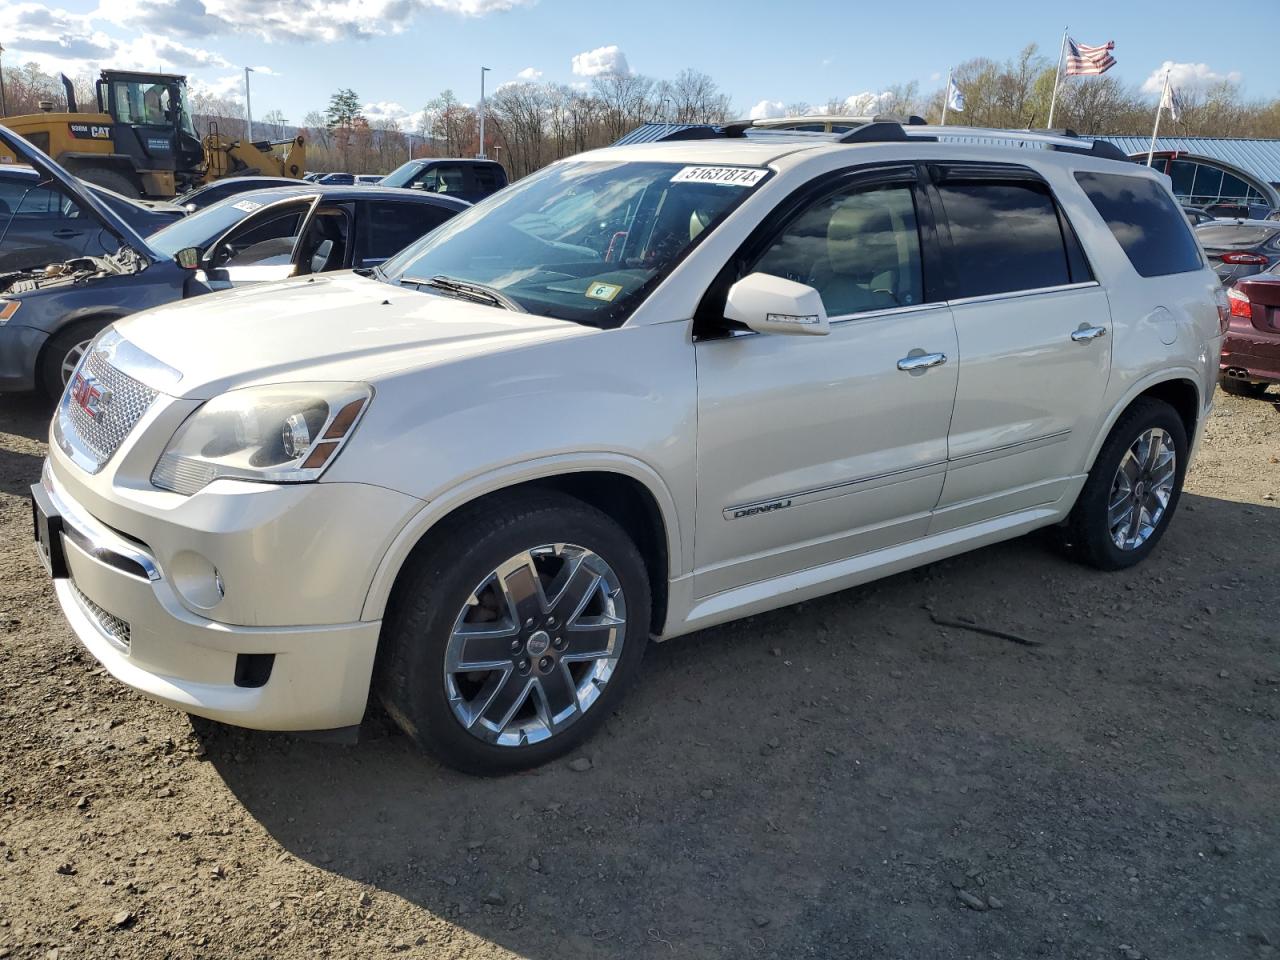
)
(63, 353)
(514, 632)
(110, 179)
(1243, 388)
(1133, 489)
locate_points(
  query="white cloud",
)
(767, 110)
(529, 74)
(601, 60)
(866, 104)
(1186, 76)
(229, 87)
(149, 51)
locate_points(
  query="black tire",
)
(1243, 388)
(1086, 532)
(433, 589)
(51, 377)
(111, 179)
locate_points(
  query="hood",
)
(108, 218)
(336, 326)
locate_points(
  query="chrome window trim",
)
(888, 312)
(1018, 294)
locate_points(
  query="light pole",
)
(248, 108)
(483, 71)
(4, 106)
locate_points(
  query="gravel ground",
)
(844, 778)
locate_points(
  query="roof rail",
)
(880, 131)
(1067, 141)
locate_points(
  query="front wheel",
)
(514, 632)
(63, 353)
(1133, 489)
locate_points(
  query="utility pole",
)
(248, 108)
(480, 155)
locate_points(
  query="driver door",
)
(260, 248)
(812, 450)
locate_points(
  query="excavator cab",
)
(151, 120)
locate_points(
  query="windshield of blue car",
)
(204, 226)
(580, 241)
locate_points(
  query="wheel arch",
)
(1178, 388)
(74, 318)
(623, 488)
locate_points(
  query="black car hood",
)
(108, 218)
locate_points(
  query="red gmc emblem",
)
(89, 396)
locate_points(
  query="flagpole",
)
(1057, 77)
(1151, 151)
(946, 98)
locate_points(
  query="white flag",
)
(1171, 101)
(955, 99)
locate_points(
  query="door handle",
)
(1085, 334)
(65, 233)
(922, 361)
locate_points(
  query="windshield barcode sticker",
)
(724, 176)
(248, 206)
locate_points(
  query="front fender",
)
(421, 523)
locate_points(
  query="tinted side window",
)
(24, 197)
(860, 249)
(1145, 222)
(1005, 237)
(450, 180)
(486, 178)
(390, 227)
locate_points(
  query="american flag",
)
(1087, 61)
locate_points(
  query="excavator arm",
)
(242, 158)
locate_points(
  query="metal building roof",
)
(1259, 157)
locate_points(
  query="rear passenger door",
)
(1034, 342)
(41, 226)
(385, 227)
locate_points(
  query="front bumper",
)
(128, 614)
(19, 352)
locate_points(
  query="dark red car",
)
(1251, 350)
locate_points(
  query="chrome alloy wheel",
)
(535, 644)
(1142, 488)
(73, 358)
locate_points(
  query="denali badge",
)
(89, 395)
(737, 513)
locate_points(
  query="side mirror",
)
(190, 208)
(769, 304)
(188, 258)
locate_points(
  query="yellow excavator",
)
(142, 141)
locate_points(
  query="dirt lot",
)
(840, 779)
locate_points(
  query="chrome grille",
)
(113, 628)
(126, 400)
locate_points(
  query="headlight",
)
(280, 433)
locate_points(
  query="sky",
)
(397, 54)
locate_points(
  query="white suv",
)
(643, 391)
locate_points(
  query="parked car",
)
(471, 180)
(307, 228)
(40, 224)
(368, 179)
(49, 316)
(1251, 349)
(1240, 248)
(211, 193)
(1196, 215)
(653, 389)
(336, 179)
(1239, 211)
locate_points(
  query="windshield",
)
(201, 227)
(401, 175)
(581, 241)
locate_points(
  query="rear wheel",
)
(62, 353)
(513, 635)
(1133, 489)
(111, 179)
(1243, 388)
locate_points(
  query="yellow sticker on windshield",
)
(603, 291)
